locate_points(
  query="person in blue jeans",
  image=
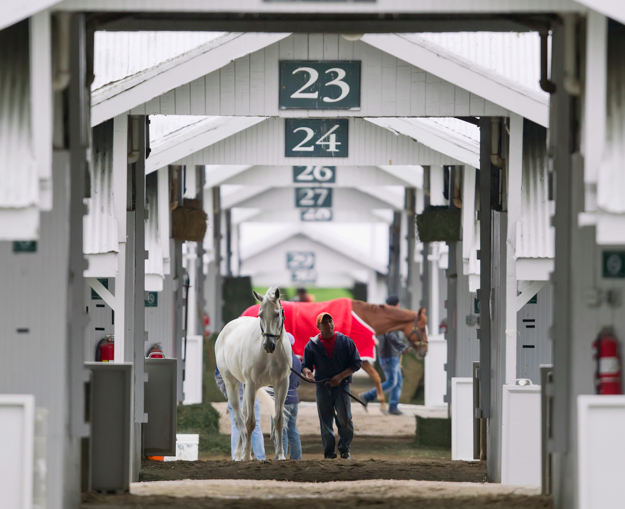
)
(390, 349)
(258, 443)
(290, 434)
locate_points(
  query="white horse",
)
(257, 353)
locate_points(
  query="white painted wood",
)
(101, 264)
(435, 383)
(441, 64)
(514, 180)
(280, 198)
(164, 216)
(595, 94)
(263, 144)
(601, 420)
(293, 215)
(524, 297)
(41, 103)
(610, 8)
(389, 86)
(520, 438)
(434, 136)
(17, 426)
(468, 211)
(194, 138)
(462, 419)
(192, 385)
(282, 176)
(103, 292)
(163, 80)
(534, 269)
(262, 6)
(12, 12)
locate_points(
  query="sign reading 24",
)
(305, 137)
(316, 85)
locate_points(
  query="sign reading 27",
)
(305, 137)
(314, 85)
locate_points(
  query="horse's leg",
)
(232, 389)
(280, 390)
(377, 381)
(249, 398)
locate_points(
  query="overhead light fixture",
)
(352, 37)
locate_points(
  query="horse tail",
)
(266, 398)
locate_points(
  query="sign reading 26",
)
(319, 85)
(316, 137)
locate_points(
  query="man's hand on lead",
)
(308, 374)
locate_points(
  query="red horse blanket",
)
(300, 320)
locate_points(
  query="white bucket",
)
(187, 447)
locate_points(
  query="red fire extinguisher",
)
(608, 363)
(156, 352)
(105, 351)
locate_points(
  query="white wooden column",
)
(515, 170)
(120, 184)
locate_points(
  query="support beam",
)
(485, 267)
(524, 297)
(103, 292)
(514, 187)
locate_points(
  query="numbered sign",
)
(152, 300)
(316, 137)
(25, 246)
(300, 260)
(614, 264)
(314, 174)
(314, 85)
(304, 276)
(306, 197)
(316, 215)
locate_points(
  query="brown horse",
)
(382, 319)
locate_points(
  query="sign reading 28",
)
(314, 85)
(306, 137)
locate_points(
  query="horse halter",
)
(418, 331)
(277, 336)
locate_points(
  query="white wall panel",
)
(368, 145)
(601, 421)
(462, 419)
(521, 436)
(192, 384)
(435, 383)
(389, 87)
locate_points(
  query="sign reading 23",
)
(306, 137)
(315, 85)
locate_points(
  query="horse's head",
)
(271, 315)
(416, 334)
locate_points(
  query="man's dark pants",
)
(329, 400)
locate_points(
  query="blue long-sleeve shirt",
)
(345, 356)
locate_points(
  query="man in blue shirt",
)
(390, 349)
(334, 358)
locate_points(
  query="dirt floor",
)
(236, 494)
(370, 422)
(316, 471)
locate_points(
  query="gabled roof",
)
(453, 68)
(436, 135)
(169, 88)
(196, 135)
(123, 95)
(614, 9)
(332, 244)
